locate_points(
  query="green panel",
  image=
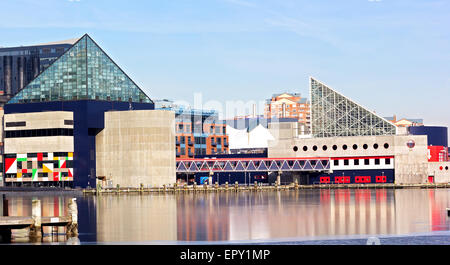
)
(82, 72)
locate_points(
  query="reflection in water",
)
(248, 216)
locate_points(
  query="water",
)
(404, 216)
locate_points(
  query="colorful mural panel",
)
(56, 166)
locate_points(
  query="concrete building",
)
(74, 113)
(134, 148)
(362, 146)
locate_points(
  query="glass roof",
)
(83, 72)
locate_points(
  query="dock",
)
(256, 187)
(36, 222)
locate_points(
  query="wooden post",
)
(256, 185)
(5, 206)
(216, 186)
(236, 186)
(195, 186)
(164, 187)
(72, 227)
(226, 186)
(36, 228)
(141, 188)
(175, 185)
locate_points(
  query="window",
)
(356, 162)
(334, 147)
(386, 145)
(315, 148)
(365, 146)
(324, 148)
(375, 146)
(387, 161)
(305, 148)
(346, 162)
(377, 161)
(295, 148)
(366, 162)
(16, 124)
(68, 122)
(355, 146)
(336, 162)
(344, 147)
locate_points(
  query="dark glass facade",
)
(20, 65)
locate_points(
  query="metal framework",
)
(333, 114)
(252, 164)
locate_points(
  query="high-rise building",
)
(288, 105)
(20, 65)
(333, 114)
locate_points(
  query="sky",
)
(391, 56)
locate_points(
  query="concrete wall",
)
(39, 120)
(137, 147)
(411, 165)
(440, 171)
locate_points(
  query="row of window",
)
(29, 164)
(344, 147)
(356, 162)
(357, 179)
(39, 133)
(442, 168)
(42, 155)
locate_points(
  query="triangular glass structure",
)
(84, 72)
(333, 114)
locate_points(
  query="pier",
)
(175, 188)
(35, 223)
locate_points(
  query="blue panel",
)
(437, 136)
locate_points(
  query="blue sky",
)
(392, 56)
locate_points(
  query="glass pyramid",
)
(333, 114)
(83, 72)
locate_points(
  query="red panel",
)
(24, 171)
(380, 179)
(39, 156)
(433, 153)
(8, 163)
(324, 179)
(430, 179)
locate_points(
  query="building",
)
(83, 122)
(362, 147)
(20, 65)
(198, 132)
(288, 105)
(334, 115)
(404, 122)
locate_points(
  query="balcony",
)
(190, 142)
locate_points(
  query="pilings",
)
(36, 222)
(36, 229)
(72, 227)
(277, 186)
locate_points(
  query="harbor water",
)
(341, 216)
